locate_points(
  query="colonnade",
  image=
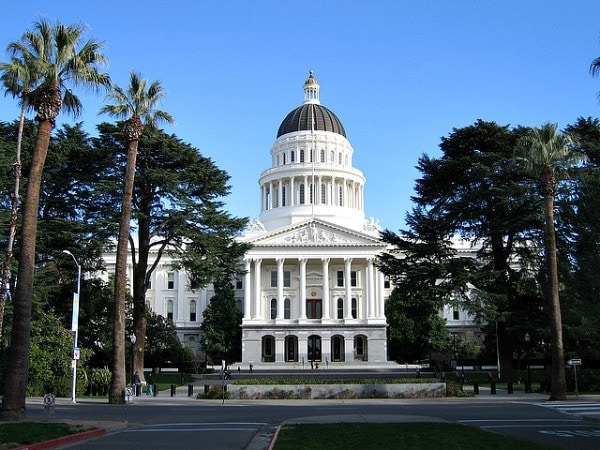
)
(326, 190)
(369, 288)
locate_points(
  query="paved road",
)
(185, 423)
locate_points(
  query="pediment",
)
(314, 233)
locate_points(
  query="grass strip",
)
(16, 434)
(350, 436)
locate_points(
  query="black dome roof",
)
(300, 119)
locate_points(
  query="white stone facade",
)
(311, 291)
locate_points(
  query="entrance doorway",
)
(314, 348)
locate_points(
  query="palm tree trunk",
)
(117, 387)
(18, 364)
(558, 384)
(13, 217)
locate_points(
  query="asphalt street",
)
(183, 422)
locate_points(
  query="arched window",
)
(192, 310)
(268, 349)
(284, 159)
(293, 156)
(340, 308)
(332, 157)
(322, 156)
(360, 348)
(354, 308)
(338, 348)
(273, 308)
(287, 308)
(323, 194)
(291, 348)
(302, 155)
(170, 310)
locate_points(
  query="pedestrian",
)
(239, 370)
(251, 366)
(490, 376)
(137, 381)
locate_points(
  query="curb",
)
(274, 438)
(70, 439)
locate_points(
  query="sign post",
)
(575, 362)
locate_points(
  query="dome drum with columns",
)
(312, 291)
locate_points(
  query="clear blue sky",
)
(399, 74)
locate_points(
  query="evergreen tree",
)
(472, 192)
(221, 336)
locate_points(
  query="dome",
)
(300, 119)
(311, 115)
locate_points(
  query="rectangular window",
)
(238, 284)
(354, 308)
(340, 278)
(171, 280)
(273, 278)
(455, 314)
(353, 278)
(287, 278)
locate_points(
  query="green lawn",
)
(15, 434)
(350, 436)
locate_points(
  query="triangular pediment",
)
(314, 233)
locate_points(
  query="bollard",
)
(476, 387)
(173, 390)
(190, 390)
(156, 387)
(493, 387)
(509, 387)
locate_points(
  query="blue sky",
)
(399, 74)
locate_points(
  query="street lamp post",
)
(75, 327)
(528, 384)
(133, 341)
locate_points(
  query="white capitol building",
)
(311, 291)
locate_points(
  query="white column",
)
(302, 299)
(247, 289)
(370, 288)
(257, 289)
(181, 301)
(347, 279)
(279, 194)
(380, 296)
(280, 288)
(326, 301)
(292, 193)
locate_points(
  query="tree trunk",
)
(140, 284)
(18, 362)
(557, 384)
(14, 213)
(117, 386)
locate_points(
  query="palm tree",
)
(19, 77)
(547, 154)
(135, 105)
(60, 61)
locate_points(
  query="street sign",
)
(574, 362)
